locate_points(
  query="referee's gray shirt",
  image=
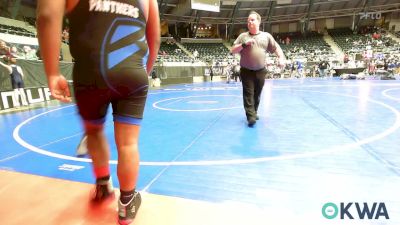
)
(253, 57)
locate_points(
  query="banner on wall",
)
(34, 75)
(12, 99)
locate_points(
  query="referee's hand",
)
(281, 63)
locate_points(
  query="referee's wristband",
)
(244, 45)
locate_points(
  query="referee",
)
(252, 47)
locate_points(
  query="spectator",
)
(4, 49)
(29, 53)
(371, 67)
(60, 57)
(211, 73)
(376, 36)
(65, 35)
(155, 81)
(346, 58)
(14, 53)
(236, 72)
(322, 67)
(17, 82)
(195, 54)
(287, 40)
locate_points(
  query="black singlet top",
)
(15, 75)
(108, 37)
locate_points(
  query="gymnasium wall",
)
(34, 75)
(36, 83)
(394, 24)
(342, 22)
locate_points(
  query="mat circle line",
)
(333, 149)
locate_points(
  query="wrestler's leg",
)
(99, 152)
(126, 139)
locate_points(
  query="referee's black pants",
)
(253, 83)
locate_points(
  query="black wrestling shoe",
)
(127, 212)
(104, 191)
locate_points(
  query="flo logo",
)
(353, 209)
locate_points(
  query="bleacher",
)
(21, 33)
(9, 29)
(170, 52)
(310, 46)
(347, 41)
(209, 52)
(355, 43)
(17, 33)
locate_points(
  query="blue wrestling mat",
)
(317, 141)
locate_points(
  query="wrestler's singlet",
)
(108, 43)
(16, 78)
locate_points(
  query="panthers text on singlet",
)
(114, 7)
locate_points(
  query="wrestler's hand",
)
(59, 88)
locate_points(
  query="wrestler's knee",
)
(91, 128)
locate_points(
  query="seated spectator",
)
(4, 49)
(39, 57)
(287, 40)
(65, 35)
(360, 64)
(29, 53)
(195, 54)
(376, 36)
(61, 57)
(155, 81)
(352, 64)
(346, 58)
(15, 53)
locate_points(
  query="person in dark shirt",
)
(322, 67)
(211, 72)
